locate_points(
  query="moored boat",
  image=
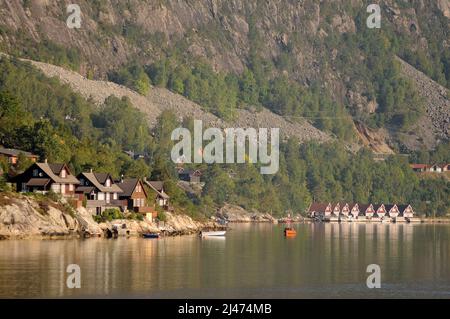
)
(218, 233)
(151, 235)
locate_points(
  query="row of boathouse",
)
(354, 212)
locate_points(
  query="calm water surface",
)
(254, 261)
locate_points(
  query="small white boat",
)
(213, 233)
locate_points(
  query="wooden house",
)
(44, 177)
(12, 155)
(435, 168)
(345, 210)
(319, 210)
(135, 197)
(189, 175)
(99, 191)
(336, 209)
(419, 167)
(161, 198)
(406, 213)
(392, 211)
(445, 167)
(366, 211)
(380, 212)
(354, 211)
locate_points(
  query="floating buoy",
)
(290, 232)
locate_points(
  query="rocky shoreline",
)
(24, 217)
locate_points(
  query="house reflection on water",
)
(255, 260)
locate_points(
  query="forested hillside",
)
(39, 114)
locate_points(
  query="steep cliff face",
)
(227, 34)
(113, 31)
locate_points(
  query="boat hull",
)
(149, 236)
(213, 233)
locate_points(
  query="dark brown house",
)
(44, 177)
(135, 197)
(189, 175)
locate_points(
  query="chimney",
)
(121, 178)
(45, 161)
(90, 170)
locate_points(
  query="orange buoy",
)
(290, 232)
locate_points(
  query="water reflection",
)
(324, 260)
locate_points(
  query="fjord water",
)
(255, 260)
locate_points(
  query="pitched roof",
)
(38, 181)
(401, 208)
(53, 171)
(418, 166)
(388, 207)
(128, 186)
(318, 207)
(99, 179)
(102, 177)
(158, 187)
(364, 207)
(15, 152)
(85, 189)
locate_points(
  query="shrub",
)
(162, 216)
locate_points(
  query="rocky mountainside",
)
(303, 38)
(434, 125)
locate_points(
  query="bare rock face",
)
(23, 217)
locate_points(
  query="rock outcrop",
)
(27, 217)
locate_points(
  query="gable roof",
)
(128, 186)
(318, 207)
(364, 207)
(158, 187)
(53, 171)
(388, 207)
(99, 179)
(38, 182)
(418, 166)
(15, 152)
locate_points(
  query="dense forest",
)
(40, 115)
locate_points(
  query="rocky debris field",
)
(158, 100)
(435, 123)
